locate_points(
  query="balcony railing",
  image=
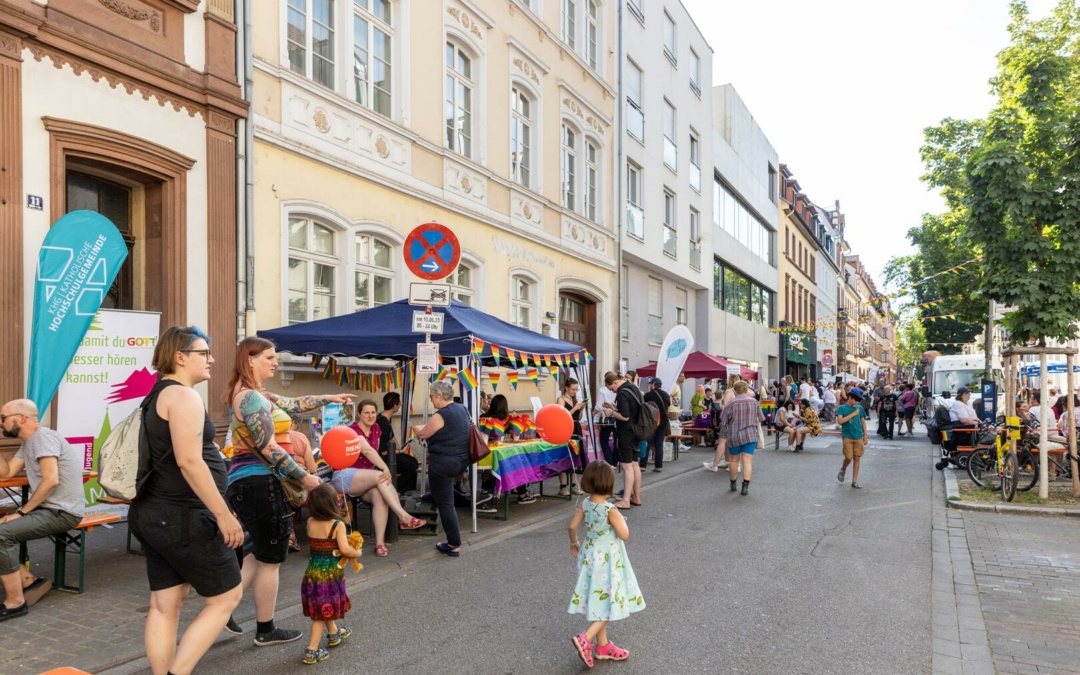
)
(671, 242)
(635, 220)
(624, 324)
(656, 330)
(695, 255)
(671, 154)
(635, 121)
(695, 176)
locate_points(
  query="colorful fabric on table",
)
(517, 464)
(322, 592)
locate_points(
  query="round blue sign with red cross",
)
(432, 251)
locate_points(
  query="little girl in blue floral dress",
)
(606, 588)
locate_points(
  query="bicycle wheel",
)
(1008, 476)
(1027, 470)
(982, 468)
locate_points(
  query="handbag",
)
(294, 491)
(760, 437)
(478, 444)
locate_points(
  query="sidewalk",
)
(102, 629)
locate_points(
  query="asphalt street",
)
(804, 575)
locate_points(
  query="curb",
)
(953, 501)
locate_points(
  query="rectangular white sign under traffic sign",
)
(429, 295)
(422, 322)
(427, 358)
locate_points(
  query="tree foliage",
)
(1011, 183)
(910, 345)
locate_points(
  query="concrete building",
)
(798, 269)
(849, 307)
(828, 280)
(746, 216)
(130, 110)
(667, 162)
(494, 118)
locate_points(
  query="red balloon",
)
(554, 424)
(340, 447)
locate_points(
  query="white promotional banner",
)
(107, 379)
(673, 352)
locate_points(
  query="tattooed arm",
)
(303, 404)
(257, 415)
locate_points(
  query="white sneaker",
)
(791, 448)
(685, 448)
(709, 466)
(722, 465)
(564, 491)
(575, 489)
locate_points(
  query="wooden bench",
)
(74, 541)
(677, 438)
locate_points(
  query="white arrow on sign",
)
(430, 266)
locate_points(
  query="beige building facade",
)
(493, 118)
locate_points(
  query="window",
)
(521, 140)
(592, 170)
(311, 33)
(458, 109)
(372, 54)
(635, 118)
(569, 22)
(569, 168)
(772, 184)
(669, 39)
(113, 200)
(671, 241)
(736, 294)
(462, 283)
(736, 220)
(680, 306)
(635, 215)
(656, 319)
(374, 272)
(522, 297)
(591, 33)
(695, 161)
(695, 239)
(671, 152)
(624, 299)
(312, 270)
(695, 72)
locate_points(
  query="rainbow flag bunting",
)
(330, 369)
(512, 377)
(512, 355)
(316, 360)
(477, 347)
(534, 374)
(547, 361)
(494, 379)
(468, 379)
(588, 356)
(495, 353)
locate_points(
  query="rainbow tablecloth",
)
(517, 464)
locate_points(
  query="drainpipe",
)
(245, 253)
(620, 204)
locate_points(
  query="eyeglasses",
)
(4, 418)
(204, 352)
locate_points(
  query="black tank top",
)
(166, 481)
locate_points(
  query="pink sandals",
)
(610, 652)
(413, 524)
(381, 551)
(584, 648)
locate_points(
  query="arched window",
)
(374, 273)
(313, 265)
(524, 292)
(463, 283)
(568, 172)
(459, 100)
(522, 111)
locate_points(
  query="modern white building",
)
(828, 277)
(745, 220)
(666, 140)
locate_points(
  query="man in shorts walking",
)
(852, 418)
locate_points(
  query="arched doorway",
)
(577, 323)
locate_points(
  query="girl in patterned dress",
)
(322, 592)
(606, 588)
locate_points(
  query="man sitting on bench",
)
(56, 503)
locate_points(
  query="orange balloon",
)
(340, 447)
(554, 424)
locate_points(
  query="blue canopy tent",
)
(468, 337)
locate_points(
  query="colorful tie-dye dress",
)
(607, 589)
(322, 592)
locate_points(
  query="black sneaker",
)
(278, 636)
(13, 613)
(486, 507)
(233, 627)
(526, 498)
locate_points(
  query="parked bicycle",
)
(997, 468)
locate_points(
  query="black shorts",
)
(259, 504)
(909, 413)
(183, 545)
(626, 448)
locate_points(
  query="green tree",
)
(910, 345)
(1022, 177)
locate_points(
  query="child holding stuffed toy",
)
(322, 592)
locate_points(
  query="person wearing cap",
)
(660, 398)
(852, 418)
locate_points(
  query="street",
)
(803, 575)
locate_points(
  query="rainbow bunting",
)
(343, 377)
(468, 379)
(329, 369)
(495, 353)
(516, 426)
(477, 347)
(512, 376)
(588, 356)
(534, 374)
(547, 361)
(494, 379)
(512, 355)
(316, 360)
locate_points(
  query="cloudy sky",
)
(882, 72)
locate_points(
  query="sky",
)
(844, 88)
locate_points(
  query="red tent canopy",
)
(698, 365)
(747, 373)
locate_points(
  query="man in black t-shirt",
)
(406, 464)
(626, 445)
(662, 400)
(886, 410)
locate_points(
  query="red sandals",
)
(413, 524)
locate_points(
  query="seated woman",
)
(697, 401)
(369, 478)
(810, 425)
(499, 409)
(786, 422)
